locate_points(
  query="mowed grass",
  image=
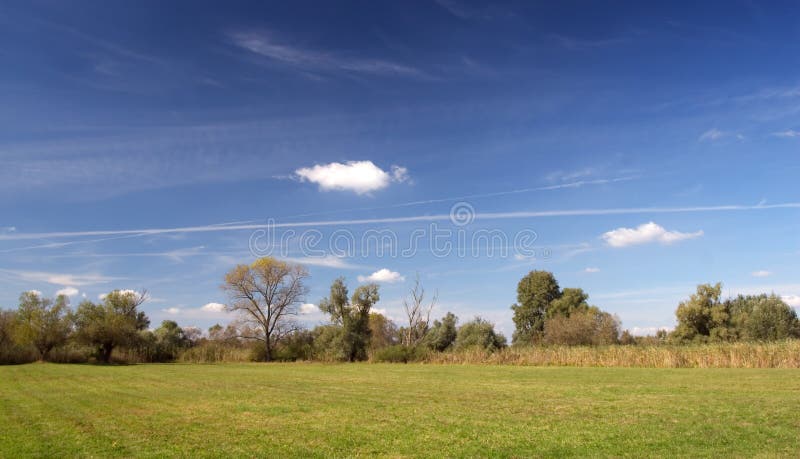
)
(283, 410)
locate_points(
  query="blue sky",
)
(648, 147)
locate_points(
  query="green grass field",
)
(281, 410)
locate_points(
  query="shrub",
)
(479, 333)
(400, 354)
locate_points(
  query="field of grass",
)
(281, 410)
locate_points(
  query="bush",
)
(400, 354)
(592, 327)
(479, 333)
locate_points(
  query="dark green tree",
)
(763, 318)
(351, 316)
(479, 333)
(115, 322)
(442, 334)
(535, 292)
(704, 317)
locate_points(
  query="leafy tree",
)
(582, 327)
(570, 300)
(266, 294)
(763, 318)
(383, 332)
(443, 334)
(8, 322)
(43, 323)
(115, 322)
(170, 339)
(479, 333)
(352, 316)
(535, 292)
(704, 318)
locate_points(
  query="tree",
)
(383, 332)
(443, 334)
(266, 294)
(570, 300)
(169, 340)
(582, 328)
(115, 322)
(703, 317)
(351, 316)
(479, 333)
(42, 322)
(535, 292)
(763, 318)
(418, 313)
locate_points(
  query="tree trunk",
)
(105, 353)
(267, 351)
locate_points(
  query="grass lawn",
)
(281, 410)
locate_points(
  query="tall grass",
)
(782, 354)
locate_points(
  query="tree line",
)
(266, 296)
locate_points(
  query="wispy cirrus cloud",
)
(266, 45)
(409, 219)
(63, 279)
(789, 133)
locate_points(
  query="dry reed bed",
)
(785, 354)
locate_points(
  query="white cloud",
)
(36, 292)
(213, 307)
(644, 234)
(327, 261)
(125, 291)
(761, 273)
(381, 311)
(67, 291)
(446, 217)
(792, 300)
(264, 44)
(712, 134)
(591, 270)
(65, 280)
(382, 275)
(787, 133)
(359, 176)
(172, 311)
(308, 308)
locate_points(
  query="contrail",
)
(410, 219)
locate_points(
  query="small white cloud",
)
(792, 300)
(360, 177)
(308, 308)
(761, 273)
(213, 307)
(35, 292)
(591, 270)
(399, 174)
(381, 311)
(173, 311)
(711, 135)
(8, 229)
(382, 275)
(125, 291)
(67, 291)
(787, 133)
(644, 234)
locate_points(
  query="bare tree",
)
(418, 313)
(266, 295)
